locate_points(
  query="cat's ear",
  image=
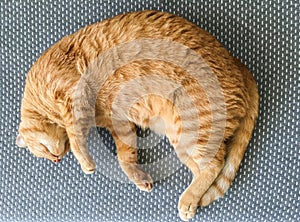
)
(20, 141)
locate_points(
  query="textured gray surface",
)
(263, 34)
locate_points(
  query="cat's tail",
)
(236, 146)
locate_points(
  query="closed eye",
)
(39, 150)
(38, 147)
(43, 148)
(46, 151)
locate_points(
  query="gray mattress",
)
(263, 34)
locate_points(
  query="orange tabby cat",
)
(50, 128)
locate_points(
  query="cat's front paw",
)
(89, 168)
(187, 206)
(88, 171)
(141, 179)
(144, 181)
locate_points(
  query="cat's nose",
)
(57, 159)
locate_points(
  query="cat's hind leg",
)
(202, 180)
(237, 144)
(125, 139)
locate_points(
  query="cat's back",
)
(93, 39)
(143, 24)
(70, 57)
(79, 49)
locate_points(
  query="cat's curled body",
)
(47, 121)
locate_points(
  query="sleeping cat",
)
(151, 93)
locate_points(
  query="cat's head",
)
(43, 139)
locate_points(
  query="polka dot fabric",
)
(263, 34)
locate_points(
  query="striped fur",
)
(181, 109)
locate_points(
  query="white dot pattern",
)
(263, 34)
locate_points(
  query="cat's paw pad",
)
(143, 181)
(146, 185)
(187, 207)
